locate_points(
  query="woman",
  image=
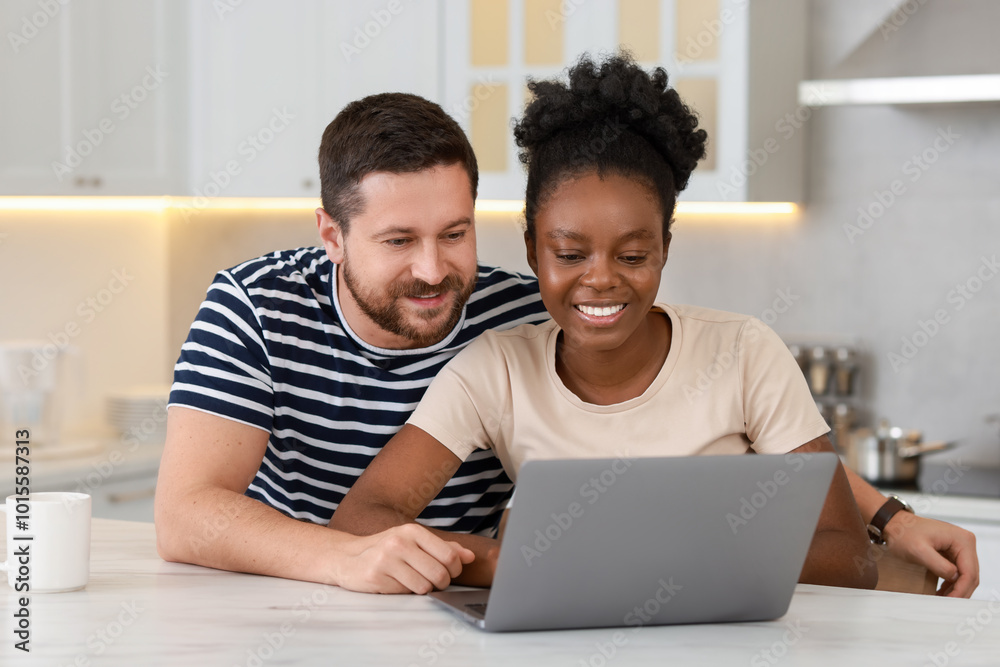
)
(606, 155)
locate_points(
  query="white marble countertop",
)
(140, 610)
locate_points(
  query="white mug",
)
(48, 542)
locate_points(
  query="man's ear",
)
(529, 246)
(332, 235)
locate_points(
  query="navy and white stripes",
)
(269, 348)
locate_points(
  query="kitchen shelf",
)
(901, 90)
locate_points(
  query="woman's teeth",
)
(600, 312)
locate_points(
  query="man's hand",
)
(943, 548)
(403, 559)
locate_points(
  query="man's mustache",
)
(451, 283)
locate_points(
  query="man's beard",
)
(383, 310)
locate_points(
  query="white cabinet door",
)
(736, 63)
(31, 105)
(129, 498)
(256, 81)
(269, 76)
(92, 98)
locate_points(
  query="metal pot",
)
(888, 454)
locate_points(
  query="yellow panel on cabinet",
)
(698, 28)
(543, 32)
(489, 126)
(639, 28)
(703, 97)
(488, 33)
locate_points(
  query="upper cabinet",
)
(268, 76)
(230, 98)
(737, 63)
(93, 97)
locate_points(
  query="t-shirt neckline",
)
(676, 337)
(372, 350)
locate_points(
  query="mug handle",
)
(3, 563)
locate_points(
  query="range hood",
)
(905, 52)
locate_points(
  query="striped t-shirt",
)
(270, 348)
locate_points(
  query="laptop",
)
(651, 541)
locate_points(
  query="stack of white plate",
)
(140, 413)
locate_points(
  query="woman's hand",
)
(402, 559)
(943, 548)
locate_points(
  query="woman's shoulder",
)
(707, 315)
(710, 327)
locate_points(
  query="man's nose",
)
(429, 265)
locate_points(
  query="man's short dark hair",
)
(393, 132)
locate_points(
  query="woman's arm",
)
(406, 475)
(946, 550)
(840, 542)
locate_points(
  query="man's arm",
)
(202, 517)
(406, 475)
(841, 540)
(946, 550)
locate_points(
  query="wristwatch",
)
(888, 510)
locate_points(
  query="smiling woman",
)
(607, 154)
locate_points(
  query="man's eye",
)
(633, 259)
(397, 243)
(455, 236)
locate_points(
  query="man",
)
(301, 364)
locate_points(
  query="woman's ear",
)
(332, 235)
(529, 246)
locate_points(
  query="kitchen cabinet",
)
(93, 93)
(152, 97)
(128, 497)
(738, 64)
(120, 477)
(267, 77)
(226, 98)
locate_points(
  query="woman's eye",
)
(568, 257)
(633, 259)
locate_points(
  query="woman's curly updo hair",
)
(612, 118)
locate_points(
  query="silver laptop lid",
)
(633, 542)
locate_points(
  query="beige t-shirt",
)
(728, 384)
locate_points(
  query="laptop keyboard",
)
(478, 608)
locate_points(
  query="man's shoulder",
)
(491, 279)
(503, 299)
(281, 266)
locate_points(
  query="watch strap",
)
(889, 509)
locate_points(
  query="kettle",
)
(29, 378)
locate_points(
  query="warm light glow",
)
(901, 90)
(500, 206)
(773, 210)
(252, 203)
(155, 204)
(770, 208)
